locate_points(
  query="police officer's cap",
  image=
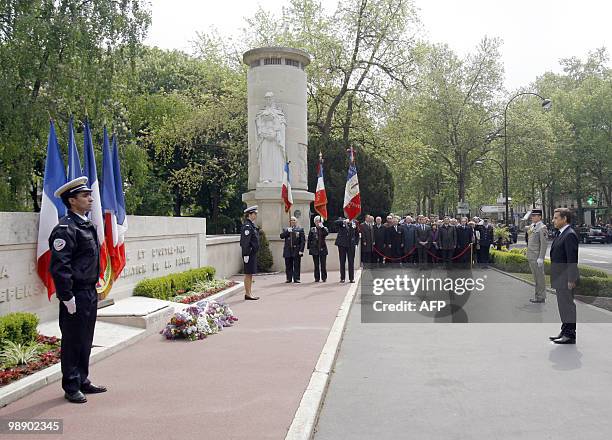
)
(536, 212)
(251, 209)
(73, 187)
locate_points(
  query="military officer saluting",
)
(536, 251)
(293, 250)
(249, 242)
(75, 268)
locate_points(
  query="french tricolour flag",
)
(122, 223)
(286, 188)
(89, 170)
(320, 201)
(51, 208)
(352, 198)
(115, 224)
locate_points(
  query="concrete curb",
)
(552, 291)
(305, 419)
(21, 388)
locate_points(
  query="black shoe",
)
(297, 281)
(93, 389)
(351, 281)
(288, 281)
(324, 280)
(316, 281)
(552, 338)
(251, 298)
(565, 340)
(77, 397)
(342, 281)
(537, 300)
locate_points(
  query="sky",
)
(536, 33)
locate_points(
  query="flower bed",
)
(48, 353)
(201, 290)
(198, 321)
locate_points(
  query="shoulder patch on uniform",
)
(59, 244)
(247, 232)
(63, 226)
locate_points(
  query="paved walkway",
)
(473, 381)
(244, 383)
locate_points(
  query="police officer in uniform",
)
(537, 243)
(295, 240)
(249, 242)
(75, 268)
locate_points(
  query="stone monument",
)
(277, 132)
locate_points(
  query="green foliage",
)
(264, 255)
(167, 286)
(594, 286)
(19, 354)
(501, 232)
(19, 328)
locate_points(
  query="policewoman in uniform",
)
(75, 267)
(249, 242)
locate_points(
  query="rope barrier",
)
(469, 246)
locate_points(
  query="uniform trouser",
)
(567, 311)
(77, 336)
(483, 254)
(344, 254)
(538, 275)
(366, 258)
(320, 267)
(292, 268)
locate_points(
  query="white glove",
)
(70, 305)
(301, 254)
(540, 262)
(289, 229)
(246, 259)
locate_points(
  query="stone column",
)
(276, 83)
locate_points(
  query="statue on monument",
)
(270, 124)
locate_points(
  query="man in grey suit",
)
(537, 244)
(564, 274)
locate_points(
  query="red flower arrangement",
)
(44, 360)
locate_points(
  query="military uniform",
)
(346, 240)
(249, 242)
(318, 249)
(75, 268)
(295, 240)
(537, 243)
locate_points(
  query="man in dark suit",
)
(464, 239)
(379, 241)
(293, 251)
(367, 241)
(409, 240)
(423, 240)
(447, 241)
(318, 249)
(564, 274)
(394, 241)
(346, 240)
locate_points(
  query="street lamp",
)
(546, 105)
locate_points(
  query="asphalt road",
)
(473, 381)
(594, 255)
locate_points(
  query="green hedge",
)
(19, 328)
(167, 286)
(594, 286)
(513, 261)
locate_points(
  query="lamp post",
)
(546, 105)
(481, 162)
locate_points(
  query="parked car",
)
(594, 235)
